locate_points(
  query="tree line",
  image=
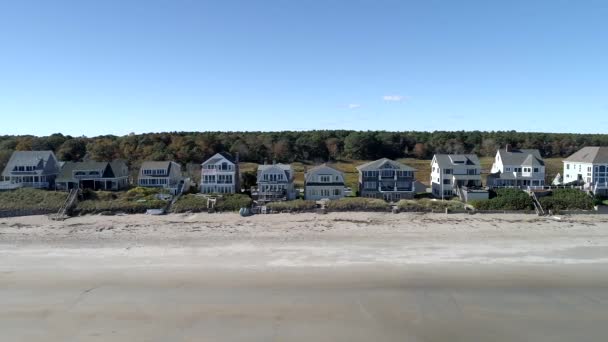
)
(289, 146)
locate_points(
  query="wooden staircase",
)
(537, 206)
(67, 205)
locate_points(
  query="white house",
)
(32, 169)
(449, 172)
(588, 167)
(160, 174)
(323, 182)
(518, 168)
(275, 182)
(220, 174)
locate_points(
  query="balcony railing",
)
(11, 186)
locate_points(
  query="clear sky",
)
(118, 66)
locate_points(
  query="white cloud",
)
(393, 98)
(353, 105)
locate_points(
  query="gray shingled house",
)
(93, 175)
(30, 169)
(275, 183)
(386, 179)
(323, 182)
(160, 174)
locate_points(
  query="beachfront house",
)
(517, 168)
(453, 173)
(160, 174)
(275, 183)
(30, 169)
(220, 174)
(93, 175)
(323, 182)
(588, 167)
(386, 179)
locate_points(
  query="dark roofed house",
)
(386, 179)
(160, 174)
(33, 169)
(588, 167)
(517, 168)
(93, 175)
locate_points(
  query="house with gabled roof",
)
(275, 183)
(451, 173)
(323, 182)
(94, 175)
(517, 168)
(588, 167)
(160, 174)
(220, 174)
(30, 169)
(387, 179)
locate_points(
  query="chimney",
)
(508, 148)
(236, 159)
(274, 162)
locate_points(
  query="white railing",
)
(10, 186)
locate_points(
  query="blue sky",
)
(115, 67)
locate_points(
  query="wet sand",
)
(336, 277)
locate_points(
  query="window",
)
(507, 169)
(337, 192)
(325, 178)
(370, 185)
(472, 171)
(447, 171)
(446, 181)
(567, 166)
(535, 169)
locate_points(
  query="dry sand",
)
(334, 277)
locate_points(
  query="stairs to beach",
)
(67, 205)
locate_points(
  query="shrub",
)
(358, 204)
(292, 206)
(506, 199)
(134, 201)
(233, 202)
(567, 199)
(190, 202)
(429, 205)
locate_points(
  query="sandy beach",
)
(334, 277)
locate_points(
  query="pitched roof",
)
(376, 165)
(114, 170)
(284, 167)
(218, 156)
(590, 154)
(447, 160)
(27, 158)
(321, 168)
(164, 165)
(527, 157)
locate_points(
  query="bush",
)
(358, 204)
(115, 206)
(506, 199)
(32, 199)
(426, 205)
(134, 201)
(190, 202)
(292, 206)
(567, 199)
(233, 202)
(198, 203)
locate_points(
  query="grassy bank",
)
(134, 201)
(198, 203)
(31, 199)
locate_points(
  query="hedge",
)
(429, 205)
(506, 199)
(358, 204)
(292, 206)
(198, 203)
(567, 199)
